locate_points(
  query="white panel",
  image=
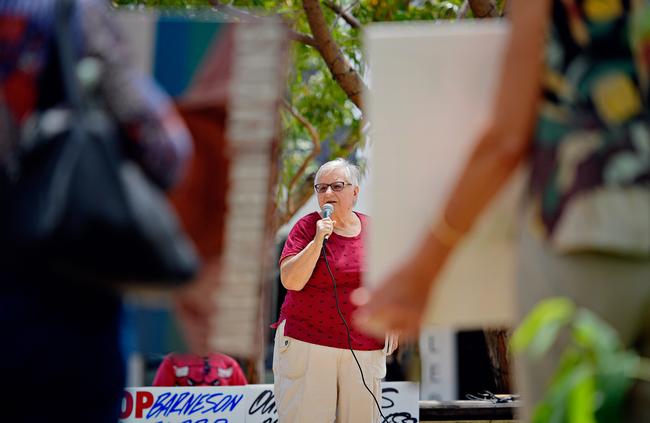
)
(431, 90)
(439, 369)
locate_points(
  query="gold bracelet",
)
(445, 233)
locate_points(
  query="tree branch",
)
(347, 17)
(305, 191)
(303, 38)
(484, 8)
(462, 12)
(342, 71)
(315, 139)
(248, 17)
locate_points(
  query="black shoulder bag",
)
(78, 208)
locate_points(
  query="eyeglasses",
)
(336, 187)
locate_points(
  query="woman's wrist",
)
(445, 234)
(431, 256)
(318, 239)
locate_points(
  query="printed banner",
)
(239, 404)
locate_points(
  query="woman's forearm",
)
(506, 141)
(295, 271)
(400, 301)
(486, 172)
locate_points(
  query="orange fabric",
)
(200, 198)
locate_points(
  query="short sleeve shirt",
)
(311, 314)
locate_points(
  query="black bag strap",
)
(65, 43)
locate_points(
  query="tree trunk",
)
(497, 346)
(342, 71)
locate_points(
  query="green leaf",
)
(575, 385)
(542, 413)
(614, 382)
(540, 328)
(594, 334)
(581, 407)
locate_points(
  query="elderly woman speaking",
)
(317, 378)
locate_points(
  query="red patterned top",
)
(311, 313)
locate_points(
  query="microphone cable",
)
(347, 328)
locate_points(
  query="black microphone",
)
(327, 209)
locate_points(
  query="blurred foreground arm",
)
(400, 301)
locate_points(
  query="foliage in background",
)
(595, 371)
(322, 118)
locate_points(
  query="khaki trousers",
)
(317, 384)
(616, 289)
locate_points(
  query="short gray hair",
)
(352, 172)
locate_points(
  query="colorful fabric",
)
(29, 81)
(192, 370)
(593, 131)
(179, 47)
(311, 313)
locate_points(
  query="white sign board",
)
(431, 88)
(241, 404)
(438, 363)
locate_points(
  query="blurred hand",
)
(195, 307)
(324, 229)
(399, 302)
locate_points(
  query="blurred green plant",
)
(595, 371)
